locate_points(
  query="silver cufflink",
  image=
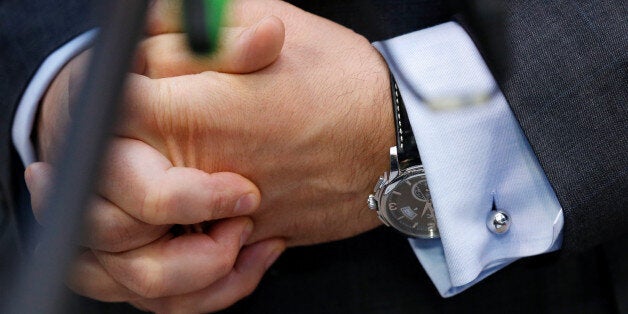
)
(498, 221)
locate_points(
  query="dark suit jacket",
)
(567, 85)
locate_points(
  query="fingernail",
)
(246, 204)
(246, 233)
(272, 258)
(28, 177)
(250, 32)
(254, 29)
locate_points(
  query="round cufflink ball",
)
(498, 222)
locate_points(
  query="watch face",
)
(408, 206)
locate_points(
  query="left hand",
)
(128, 252)
(312, 130)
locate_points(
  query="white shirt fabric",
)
(471, 156)
(29, 103)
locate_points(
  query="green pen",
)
(202, 20)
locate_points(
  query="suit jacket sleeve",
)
(567, 86)
(30, 30)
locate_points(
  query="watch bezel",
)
(386, 190)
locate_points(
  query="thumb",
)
(38, 177)
(240, 50)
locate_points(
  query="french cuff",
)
(29, 103)
(476, 159)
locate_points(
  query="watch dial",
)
(409, 207)
(420, 191)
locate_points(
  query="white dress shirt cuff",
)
(29, 103)
(474, 157)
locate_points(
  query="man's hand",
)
(312, 130)
(130, 253)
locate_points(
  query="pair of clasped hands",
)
(274, 141)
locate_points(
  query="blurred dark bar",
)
(40, 287)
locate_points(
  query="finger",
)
(141, 96)
(88, 278)
(109, 228)
(164, 16)
(155, 110)
(241, 50)
(174, 266)
(251, 265)
(38, 177)
(144, 184)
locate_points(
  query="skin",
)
(311, 130)
(300, 140)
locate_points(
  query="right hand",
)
(130, 253)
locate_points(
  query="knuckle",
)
(223, 266)
(221, 204)
(110, 241)
(224, 262)
(146, 278)
(141, 305)
(173, 305)
(161, 16)
(114, 237)
(155, 206)
(156, 62)
(248, 288)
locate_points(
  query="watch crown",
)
(372, 203)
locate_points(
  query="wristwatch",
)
(401, 196)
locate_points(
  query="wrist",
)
(384, 128)
(385, 125)
(53, 115)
